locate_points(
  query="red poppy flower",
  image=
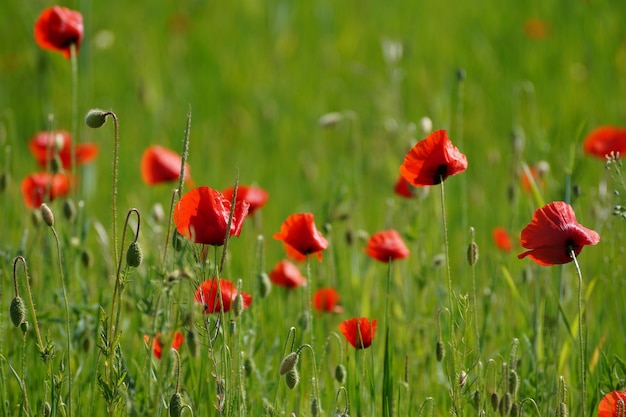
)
(159, 164)
(299, 232)
(157, 343)
(502, 239)
(326, 299)
(432, 160)
(287, 275)
(553, 233)
(359, 331)
(386, 246)
(57, 28)
(41, 187)
(207, 295)
(257, 197)
(202, 215)
(604, 140)
(59, 142)
(612, 404)
(403, 188)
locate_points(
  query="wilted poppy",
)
(326, 299)
(432, 160)
(41, 187)
(604, 140)
(157, 343)
(502, 239)
(554, 233)
(202, 215)
(403, 188)
(59, 143)
(256, 196)
(386, 246)
(613, 404)
(359, 331)
(287, 275)
(213, 291)
(159, 165)
(299, 232)
(57, 28)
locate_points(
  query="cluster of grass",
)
(258, 76)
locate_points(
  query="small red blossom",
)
(287, 275)
(157, 343)
(255, 196)
(44, 145)
(432, 160)
(403, 188)
(386, 246)
(57, 28)
(299, 232)
(502, 239)
(41, 187)
(214, 293)
(554, 233)
(202, 215)
(159, 165)
(359, 331)
(613, 404)
(326, 299)
(604, 140)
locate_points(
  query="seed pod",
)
(134, 255)
(238, 306)
(341, 374)
(440, 351)
(18, 311)
(292, 378)
(4, 181)
(47, 215)
(476, 400)
(95, 118)
(24, 327)
(472, 253)
(86, 258)
(289, 362)
(513, 382)
(176, 405)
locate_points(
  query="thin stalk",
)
(581, 338)
(74, 63)
(30, 299)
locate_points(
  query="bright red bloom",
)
(157, 343)
(326, 299)
(502, 239)
(211, 294)
(57, 28)
(42, 187)
(202, 216)
(386, 246)
(553, 233)
(403, 188)
(604, 140)
(299, 232)
(612, 404)
(287, 275)
(60, 142)
(432, 160)
(159, 164)
(256, 196)
(359, 331)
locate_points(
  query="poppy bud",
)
(304, 320)
(440, 350)
(265, 285)
(134, 255)
(315, 407)
(56, 166)
(238, 306)
(292, 378)
(24, 327)
(69, 210)
(341, 374)
(495, 401)
(18, 311)
(513, 382)
(95, 118)
(248, 367)
(176, 405)
(288, 363)
(515, 410)
(86, 258)
(506, 404)
(191, 343)
(476, 400)
(472, 253)
(47, 215)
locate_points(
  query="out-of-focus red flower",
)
(159, 165)
(42, 187)
(287, 275)
(432, 160)
(386, 246)
(57, 28)
(604, 140)
(299, 232)
(535, 28)
(202, 215)
(359, 331)
(59, 142)
(255, 196)
(213, 293)
(403, 188)
(502, 239)
(157, 343)
(612, 404)
(326, 299)
(553, 233)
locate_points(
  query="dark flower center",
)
(570, 247)
(440, 174)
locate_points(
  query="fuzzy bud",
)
(292, 378)
(4, 181)
(56, 165)
(134, 255)
(238, 306)
(476, 400)
(47, 215)
(18, 311)
(248, 367)
(341, 374)
(95, 118)
(288, 363)
(513, 382)
(86, 258)
(495, 401)
(176, 405)
(472, 253)
(265, 285)
(440, 350)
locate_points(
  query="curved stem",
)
(581, 337)
(316, 386)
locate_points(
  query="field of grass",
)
(513, 83)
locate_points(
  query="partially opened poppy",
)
(57, 28)
(554, 233)
(41, 187)
(157, 343)
(432, 160)
(255, 196)
(202, 216)
(326, 299)
(299, 232)
(502, 239)
(215, 293)
(287, 275)
(386, 246)
(605, 140)
(45, 145)
(159, 165)
(359, 332)
(613, 404)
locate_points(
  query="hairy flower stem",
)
(74, 62)
(581, 338)
(30, 300)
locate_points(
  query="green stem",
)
(581, 338)
(74, 63)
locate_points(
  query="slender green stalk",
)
(581, 338)
(74, 62)
(30, 300)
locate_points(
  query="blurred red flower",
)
(432, 160)
(604, 140)
(502, 239)
(612, 404)
(535, 28)
(326, 299)
(57, 28)
(159, 165)
(299, 232)
(287, 275)
(402, 188)
(256, 196)
(42, 187)
(157, 343)
(60, 142)
(211, 294)
(359, 331)
(386, 246)
(553, 233)
(202, 215)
